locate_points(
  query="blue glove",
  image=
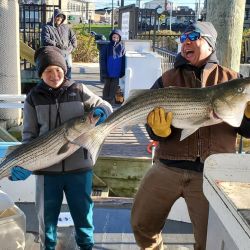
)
(101, 113)
(19, 174)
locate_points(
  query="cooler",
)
(12, 224)
(142, 66)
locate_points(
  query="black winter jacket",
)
(46, 108)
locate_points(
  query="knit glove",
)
(247, 110)
(19, 174)
(160, 122)
(101, 113)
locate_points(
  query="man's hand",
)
(247, 110)
(19, 174)
(160, 122)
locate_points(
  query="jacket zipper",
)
(58, 122)
(198, 132)
(199, 143)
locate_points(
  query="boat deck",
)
(112, 228)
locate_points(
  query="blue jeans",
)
(49, 196)
(68, 59)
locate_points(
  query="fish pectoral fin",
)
(187, 132)
(65, 148)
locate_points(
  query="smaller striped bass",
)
(49, 148)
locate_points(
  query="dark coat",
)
(46, 108)
(61, 36)
(112, 58)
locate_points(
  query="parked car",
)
(97, 36)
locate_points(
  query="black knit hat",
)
(207, 31)
(47, 56)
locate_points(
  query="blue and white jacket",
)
(112, 58)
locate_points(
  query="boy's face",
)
(53, 76)
(115, 38)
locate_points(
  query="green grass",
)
(104, 29)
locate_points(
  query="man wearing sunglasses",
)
(178, 165)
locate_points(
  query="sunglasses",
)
(193, 36)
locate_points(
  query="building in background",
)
(155, 3)
(77, 11)
(246, 24)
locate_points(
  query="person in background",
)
(112, 65)
(56, 33)
(52, 102)
(178, 165)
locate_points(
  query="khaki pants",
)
(158, 191)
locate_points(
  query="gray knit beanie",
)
(47, 56)
(207, 31)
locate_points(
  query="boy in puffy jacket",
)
(112, 65)
(56, 100)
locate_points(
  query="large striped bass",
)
(192, 108)
(48, 149)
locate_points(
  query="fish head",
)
(85, 123)
(230, 100)
(80, 125)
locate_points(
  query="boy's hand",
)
(19, 174)
(101, 113)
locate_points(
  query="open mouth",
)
(189, 53)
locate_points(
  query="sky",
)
(108, 3)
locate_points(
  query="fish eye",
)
(240, 89)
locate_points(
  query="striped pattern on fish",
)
(192, 108)
(47, 149)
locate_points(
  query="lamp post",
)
(112, 15)
(170, 8)
(159, 11)
(90, 21)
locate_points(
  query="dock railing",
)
(11, 101)
(168, 58)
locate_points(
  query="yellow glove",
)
(160, 122)
(247, 110)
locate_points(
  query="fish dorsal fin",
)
(11, 149)
(187, 132)
(136, 92)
